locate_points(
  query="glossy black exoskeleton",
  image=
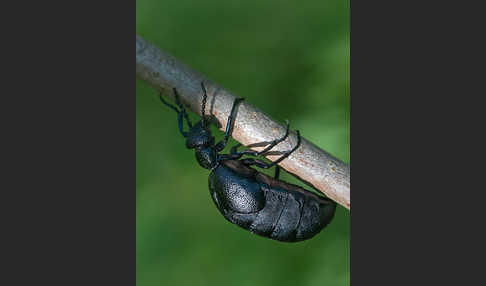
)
(252, 200)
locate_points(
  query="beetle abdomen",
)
(285, 212)
(237, 191)
(311, 211)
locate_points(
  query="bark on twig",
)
(309, 163)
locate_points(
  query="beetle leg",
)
(179, 115)
(276, 141)
(259, 153)
(234, 148)
(219, 146)
(256, 162)
(229, 156)
(244, 152)
(277, 172)
(183, 110)
(168, 104)
(264, 165)
(286, 154)
(229, 125)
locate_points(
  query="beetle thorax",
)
(200, 139)
(206, 157)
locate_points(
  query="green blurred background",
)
(291, 60)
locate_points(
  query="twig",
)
(308, 163)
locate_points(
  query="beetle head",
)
(199, 136)
(200, 139)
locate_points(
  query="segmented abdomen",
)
(291, 216)
(285, 212)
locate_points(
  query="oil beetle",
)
(252, 200)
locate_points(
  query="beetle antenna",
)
(203, 106)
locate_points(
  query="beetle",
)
(264, 205)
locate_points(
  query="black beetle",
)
(252, 200)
